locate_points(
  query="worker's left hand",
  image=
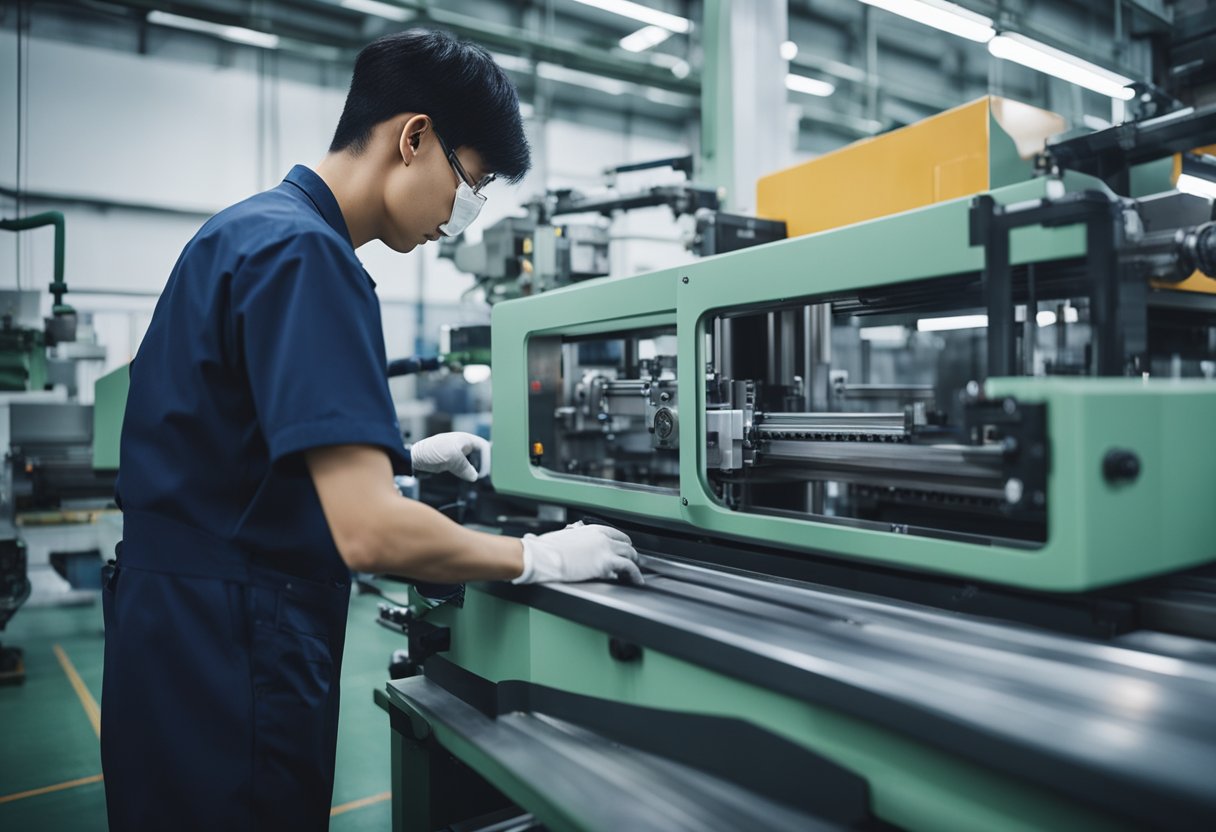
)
(450, 452)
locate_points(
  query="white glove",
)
(579, 553)
(450, 452)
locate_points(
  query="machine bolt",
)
(1120, 465)
(624, 651)
(683, 279)
(683, 501)
(664, 424)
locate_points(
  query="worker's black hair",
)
(467, 95)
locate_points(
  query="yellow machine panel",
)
(1197, 282)
(972, 148)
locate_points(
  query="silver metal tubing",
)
(964, 470)
(884, 391)
(782, 425)
(625, 387)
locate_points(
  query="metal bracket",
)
(1120, 329)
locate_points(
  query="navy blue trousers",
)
(220, 694)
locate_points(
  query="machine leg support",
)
(432, 789)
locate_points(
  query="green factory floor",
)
(50, 764)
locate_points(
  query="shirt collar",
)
(321, 197)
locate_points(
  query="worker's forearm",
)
(414, 540)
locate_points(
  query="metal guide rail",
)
(1060, 711)
(584, 763)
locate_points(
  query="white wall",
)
(171, 141)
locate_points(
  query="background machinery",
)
(50, 491)
(528, 255)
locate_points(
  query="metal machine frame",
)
(1088, 417)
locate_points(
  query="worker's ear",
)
(416, 127)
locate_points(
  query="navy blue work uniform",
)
(226, 611)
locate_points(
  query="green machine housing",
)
(1059, 482)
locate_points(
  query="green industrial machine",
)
(922, 502)
(1064, 523)
(109, 405)
(23, 346)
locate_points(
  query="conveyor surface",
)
(590, 780)
(1126, 729)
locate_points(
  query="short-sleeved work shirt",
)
(266, 342)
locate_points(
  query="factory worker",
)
(258, 451)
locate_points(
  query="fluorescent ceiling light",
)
(669, 99)
(810, 86)
(512, 63)
(678, 66)
(953, 322)
(789, 50)
(895, 334)
(263, 40)
(236, 34)
(375, 7)
(1196, 186)
(1198, 175)
(939, 14)
(1043, 58)
(611, 86)
(643, 39)
(643, 14)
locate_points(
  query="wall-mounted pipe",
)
(57, 288)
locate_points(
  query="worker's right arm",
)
(377, 530)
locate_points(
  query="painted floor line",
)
(58, 787)
(360, 803)
(82, 692)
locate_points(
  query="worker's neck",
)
(356, 186)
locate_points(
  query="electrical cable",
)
(366, 585)
(18, 179)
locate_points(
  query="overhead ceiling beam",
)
(637, 69)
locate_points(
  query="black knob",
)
(400, 666)
(1199, 249)
(1120, 465)
(624, 651)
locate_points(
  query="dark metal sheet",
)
(1124, 730)
(583, 775)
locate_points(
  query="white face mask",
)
(465, 208)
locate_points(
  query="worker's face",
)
(421, 190)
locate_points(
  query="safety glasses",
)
(469, 200)
(454, 161)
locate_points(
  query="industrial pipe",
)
(58, 288)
